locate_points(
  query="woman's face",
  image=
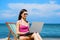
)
(24, 15)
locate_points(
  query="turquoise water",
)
(48, 30)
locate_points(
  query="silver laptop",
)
(36, 27)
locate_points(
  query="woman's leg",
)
(24, 38)
(38, 36)
(21, 38)
(34, 36)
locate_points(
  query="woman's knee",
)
(33, 34)
(21, 37)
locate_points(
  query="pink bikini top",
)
(23, 28)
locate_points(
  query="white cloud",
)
(43, 10)
(42, 7)
(58, 14)
(7, 14)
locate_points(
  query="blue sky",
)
(47, 11)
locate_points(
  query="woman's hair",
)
(23, 10)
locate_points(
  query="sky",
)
(47, 11)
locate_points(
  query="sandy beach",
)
(51, 38)
(42, 38)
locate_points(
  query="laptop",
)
(36, 27)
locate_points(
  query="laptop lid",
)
(36, 27)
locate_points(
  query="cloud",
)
(51, 5)
(42, 10)
(58, 14)
(36, 11)
(7, 14)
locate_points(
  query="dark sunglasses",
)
(25, 14)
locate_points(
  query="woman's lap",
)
(24, 35)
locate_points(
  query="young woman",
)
(23, 26)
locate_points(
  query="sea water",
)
(48, 30)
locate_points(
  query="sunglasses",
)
(25, 14)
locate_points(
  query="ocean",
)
(48, 31)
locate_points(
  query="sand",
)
(42, 38)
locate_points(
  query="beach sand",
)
(51, 38)
(5, 38)
(42, 38)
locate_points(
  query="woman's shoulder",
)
(18, 21)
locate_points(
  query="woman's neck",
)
(23, 19)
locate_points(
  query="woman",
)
(23, 26)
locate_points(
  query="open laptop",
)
(36, 27)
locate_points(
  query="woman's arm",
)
(17, 28)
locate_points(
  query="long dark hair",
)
(23, 10)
